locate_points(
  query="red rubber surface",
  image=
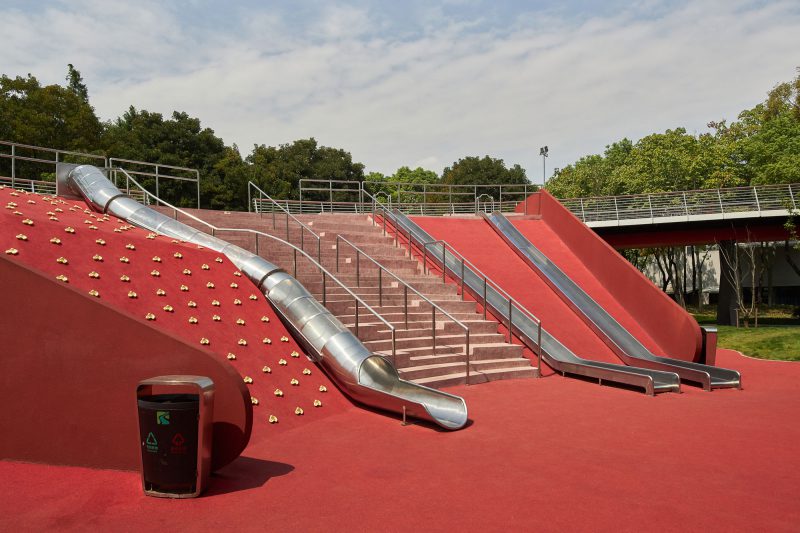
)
(547, 455)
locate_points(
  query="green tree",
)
(51, 116)
(75, 83)
(278, 170)
(487, 171)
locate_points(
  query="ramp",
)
(617, 337)
(554, 352)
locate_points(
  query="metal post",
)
(510, 308)
(525, 197)
(384, 223)
(319, 251)
(616, 209)
(685, 204)
(355, 301)
(330, 194)
(583, 211)
(257, 244)
(198, 190)
(721, 208)
(425, 258)
(758, 204)
(157, 195)
(650, 204)
(380, 287)
(394, 348)
(13, 166)
(484, 297)
(466, 353)
(791, 195)
(287, 226)
(358, 269)
(433, 327)
(294, 261)
(337, 253)
(444, 269)
(539, 347)
(462, 278)
(405, 303)
(272, 208)
(324, 289)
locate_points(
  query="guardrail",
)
(358, 301)
(406, 288)
(157, 173)
(16, 152)
(258, 205)
(423, 246)
(703, 204)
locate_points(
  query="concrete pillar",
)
(728, 301)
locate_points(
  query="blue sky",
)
(415, 82)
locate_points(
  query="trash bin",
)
(175, 429)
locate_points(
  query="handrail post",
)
(510, 309)
(249, 199)
(257, 244)
(405, 303)
(758, 203)
(294, 261)
(583, 211)
(358, 269)
(484, 297)
(319, 251)
(425, 259)
(13, 166)
(650, 204)
(685, 205)
(444, 267)
(462, 279)
(466, 353)
(721, 207)
(539, 347)
(337, 253)
(394, 348)
(433, 327)
(355, 301)
(324, 289)
(380, 287)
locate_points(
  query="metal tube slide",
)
(620, 340)
(363, 375)
(555, 354)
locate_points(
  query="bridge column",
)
(728, 301)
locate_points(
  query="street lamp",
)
(543, 152)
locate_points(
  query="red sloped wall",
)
(68, 373)
(674, 330)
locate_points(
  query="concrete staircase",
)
(416, 359)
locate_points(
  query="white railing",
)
(704, 204)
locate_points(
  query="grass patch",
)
(776, 337)
(781, 343)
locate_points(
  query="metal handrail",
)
(464, 261)
(773, 198)
(14, 157)
(303, 227)
(325, 273)
(406, 287)
(157, 175)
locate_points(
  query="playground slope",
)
(476, 240)
(545, 455)
(176, 283)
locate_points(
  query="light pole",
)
(543, 152)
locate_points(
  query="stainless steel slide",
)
(555, 354)
(620, 340)
(364, 376)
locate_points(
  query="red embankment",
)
(478, 242)
(548, 242)
(674, 330)
(176, 283)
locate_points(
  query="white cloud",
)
(454, 89)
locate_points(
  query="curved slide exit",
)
(617, 337)
(363, 375)
(554, 352)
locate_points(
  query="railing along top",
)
(757, 198)
(256, 232)
(404, 283)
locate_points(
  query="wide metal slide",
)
(555, 354)
(624, 344)
(366, 377)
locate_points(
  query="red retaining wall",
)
(69, 371)
(673, 329)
